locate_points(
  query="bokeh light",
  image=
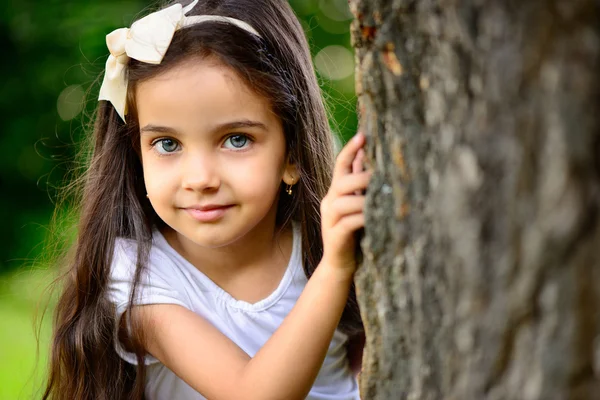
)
(336, 10)
(70, 102)
(335, 62)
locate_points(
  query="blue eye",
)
(164, 146)
(237, 141)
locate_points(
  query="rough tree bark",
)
(481, 273)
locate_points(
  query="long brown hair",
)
(112, 204)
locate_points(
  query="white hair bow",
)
(147, 40)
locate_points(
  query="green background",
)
(54, 54)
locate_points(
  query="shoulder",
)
(157, 275)
(126, 253)
(158, 280)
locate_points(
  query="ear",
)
(290, 173)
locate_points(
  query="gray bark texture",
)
(481, 271)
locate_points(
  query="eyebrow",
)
(245, 123)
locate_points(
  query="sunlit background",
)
(53, 53)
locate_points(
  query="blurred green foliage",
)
(20, 295)
(54, 54)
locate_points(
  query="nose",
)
(200, 173)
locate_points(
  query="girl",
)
(210, 198)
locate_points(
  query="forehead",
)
(197, 93)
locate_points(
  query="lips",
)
(208, 213)
(208, 207)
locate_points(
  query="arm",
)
(284, 368)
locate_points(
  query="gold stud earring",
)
(289, 188)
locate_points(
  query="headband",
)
(147, 40)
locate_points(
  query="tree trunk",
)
(481, 272)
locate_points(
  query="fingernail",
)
(357, 138)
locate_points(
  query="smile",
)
(208, 214)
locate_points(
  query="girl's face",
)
(213, 153)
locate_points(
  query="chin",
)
(221, 233)
(213, 235)
(207, 237)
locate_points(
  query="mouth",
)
(208, 213)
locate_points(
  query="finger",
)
(357, 164)
(343, 164)
(348, 184)
(350, 223)
(346, 205)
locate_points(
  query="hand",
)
(342, 208)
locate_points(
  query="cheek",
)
(259, 180)
(158, 177)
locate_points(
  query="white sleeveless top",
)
(171, 279)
